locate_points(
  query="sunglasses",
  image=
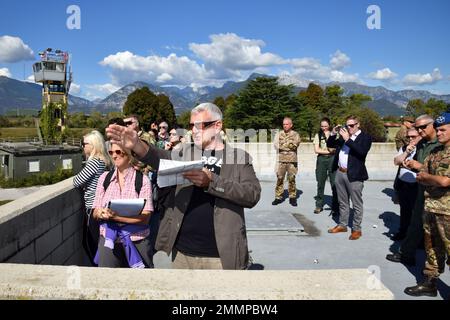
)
(129, 123)
(162, 127)
(201, 125)
(352, 125)
(423, 127)
(117, 152)
(411, 137)
(83, 144)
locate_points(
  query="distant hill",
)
(16, 94)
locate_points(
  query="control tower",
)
(54, 72)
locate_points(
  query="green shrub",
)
(39, 179)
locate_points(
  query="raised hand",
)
(126, 137)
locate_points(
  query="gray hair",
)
(213, 110)
(425, 117)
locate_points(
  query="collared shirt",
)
(114, 192)
(343, 154)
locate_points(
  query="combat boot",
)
(425, 288)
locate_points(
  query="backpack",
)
(137, 181)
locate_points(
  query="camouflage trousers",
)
(437, 242)
(291, 169)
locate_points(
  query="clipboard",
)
(127, 207)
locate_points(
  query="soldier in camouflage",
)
(435, 176)
(286, 143)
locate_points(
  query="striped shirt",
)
(88, 178)
(113, 192)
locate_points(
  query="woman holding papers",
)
(98, 161)
(124, 240)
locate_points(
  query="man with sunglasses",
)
(434, 176)
(414, 234)
(163, 135)
(132, 121)
(203, 223)
(352, 148)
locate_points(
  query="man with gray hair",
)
(414, 234)
(203, 224)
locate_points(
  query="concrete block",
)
(63, 252)
(26, 255)
(71, 225)
(48, 242)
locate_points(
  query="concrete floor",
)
(281, 249)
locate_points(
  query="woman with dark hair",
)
(323, 166)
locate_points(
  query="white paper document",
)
(127, 207)
(170, 172)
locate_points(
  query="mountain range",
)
(15, 94)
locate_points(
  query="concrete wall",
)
(55, 282)
(44, 227)
(380, 160)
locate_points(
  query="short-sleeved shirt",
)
(113, 192)
(322, 143)
(437, 199)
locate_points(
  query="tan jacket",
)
(287, 144)
(236, 188)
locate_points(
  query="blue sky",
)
(197, 43)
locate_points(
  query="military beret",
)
(443, 119)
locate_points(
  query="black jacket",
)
(359, 148)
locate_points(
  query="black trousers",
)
(90, 235)
(407, 194)
(116, 258)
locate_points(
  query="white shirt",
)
(343, 154)
(405, 174)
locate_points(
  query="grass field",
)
(18, 133)
(31, 132)
(2, 202)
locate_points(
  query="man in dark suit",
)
(352, 147)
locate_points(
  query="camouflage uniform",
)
(287, 145)
(146, 137)
(436, 218)
(400, 138)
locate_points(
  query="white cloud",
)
(5, 72)
(128, 67)
(164, 77)
(310, 69)
(339, 60)
(383, 74)
(231, 53)
(105, 89)
(13, 49)
(75, 88)
(418, 79)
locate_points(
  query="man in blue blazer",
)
(352, 147)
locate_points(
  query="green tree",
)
(96, 121)
(371, 123)
(262, 104)
(184, 119)
(149, 107)
(77, 120)
(220, 102)
(313, 97)
(435, 107)
(415, 107)
(4, 122)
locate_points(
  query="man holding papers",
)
(124, 228)
(203, 223)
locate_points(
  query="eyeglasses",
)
(201, 125)
(129, 123)
(117, 152)
(352, 125)
(411, 137)
(423, 127)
